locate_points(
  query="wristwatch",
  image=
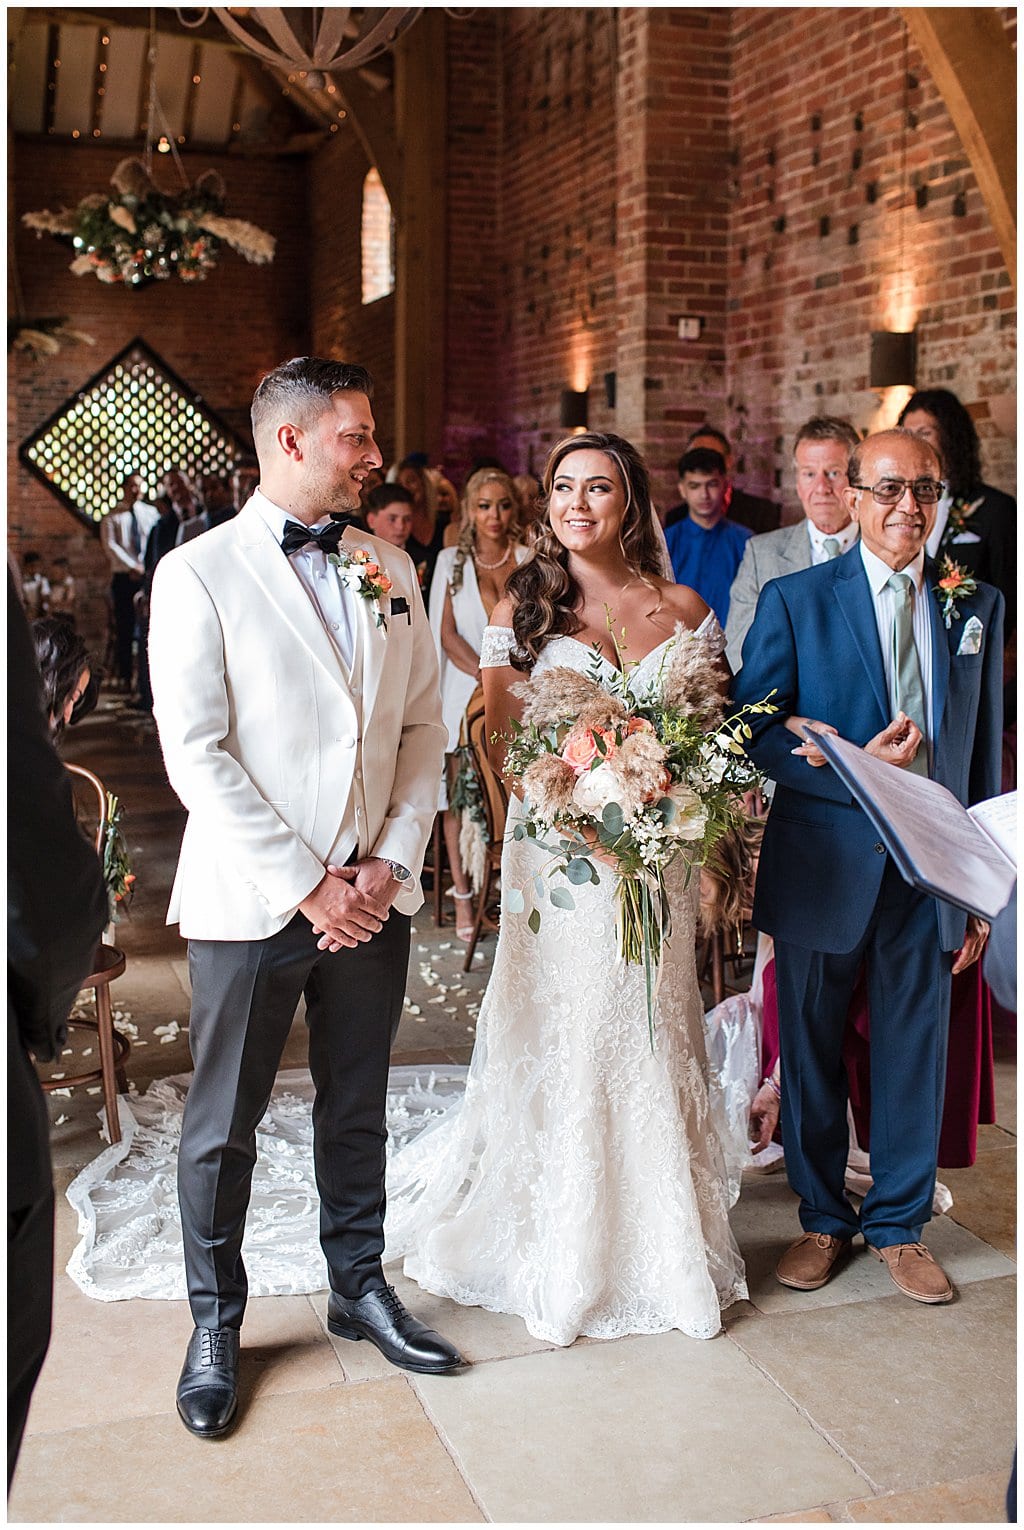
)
(398, 871)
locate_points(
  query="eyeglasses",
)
(889, 491)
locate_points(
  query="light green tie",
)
(831, 547)
(909, 689)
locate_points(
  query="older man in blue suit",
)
(859, 645)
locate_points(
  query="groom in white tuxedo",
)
(299, 716)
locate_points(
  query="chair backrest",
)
(495, 795)
(90, 802)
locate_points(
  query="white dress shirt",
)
(319, 579)
(879, 574)
(845, 538)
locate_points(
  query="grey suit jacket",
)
(765, 557)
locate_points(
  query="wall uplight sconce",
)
(893, 359)
(575, 410)
(609, 389)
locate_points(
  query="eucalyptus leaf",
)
(561, 897)
(514, 900)
(519, 831)
(579, 871)
(613, 817)
(534, 920)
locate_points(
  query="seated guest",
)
(70, 679)
(975, 525)
(706, 548)
(35, 588)
(821, 452)
(62, 596)
(743, 509)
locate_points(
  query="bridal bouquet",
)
(641, 774)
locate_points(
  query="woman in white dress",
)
(469, 580)
(579, 1184)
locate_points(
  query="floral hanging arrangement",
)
(142, 235)
(40, 338)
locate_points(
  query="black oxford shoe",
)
(207, 1395)
(404, 1340)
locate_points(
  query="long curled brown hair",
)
(546, 598)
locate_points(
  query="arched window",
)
(378, 241)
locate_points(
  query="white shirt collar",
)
(276, 518)
(845, 538)
(880, 573)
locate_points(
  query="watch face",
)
(400, 873)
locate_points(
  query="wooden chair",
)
(109, 963)
(495, 803)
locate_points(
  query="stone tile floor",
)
(850, 1404)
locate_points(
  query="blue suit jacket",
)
(814, 640)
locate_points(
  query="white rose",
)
(690, 815)
(595, 789)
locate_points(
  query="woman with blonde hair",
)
(469, 580)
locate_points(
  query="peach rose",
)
(580, 748)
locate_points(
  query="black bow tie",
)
(296, 536)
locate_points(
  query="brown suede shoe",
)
(915, 1272)
(811, 1261)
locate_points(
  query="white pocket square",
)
(970, 638)
(966, 536)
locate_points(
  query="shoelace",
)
(214, 1346)
(392, 1302)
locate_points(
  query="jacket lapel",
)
(854, 596)
(270, 568)
(941, 641)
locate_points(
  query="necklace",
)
(490, 567)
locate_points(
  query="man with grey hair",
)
(295, 690)
(821, 452)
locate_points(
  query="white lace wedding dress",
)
(579, 1182)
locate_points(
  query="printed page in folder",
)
(932, 838)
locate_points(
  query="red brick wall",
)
(818, 113)
(545, 209)
(342, 325)
(219, 335)
(475, 353)
(618, 168)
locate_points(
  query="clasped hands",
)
(350, 904)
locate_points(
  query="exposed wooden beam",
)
(372, 117)
(974, 67)
(420, 93)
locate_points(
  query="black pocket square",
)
(400, 607)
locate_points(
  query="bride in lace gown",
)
(579, 1183)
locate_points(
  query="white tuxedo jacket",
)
(283, 759)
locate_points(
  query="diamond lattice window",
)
(133, 416)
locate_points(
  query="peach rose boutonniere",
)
(954, 584)
(358, 572)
